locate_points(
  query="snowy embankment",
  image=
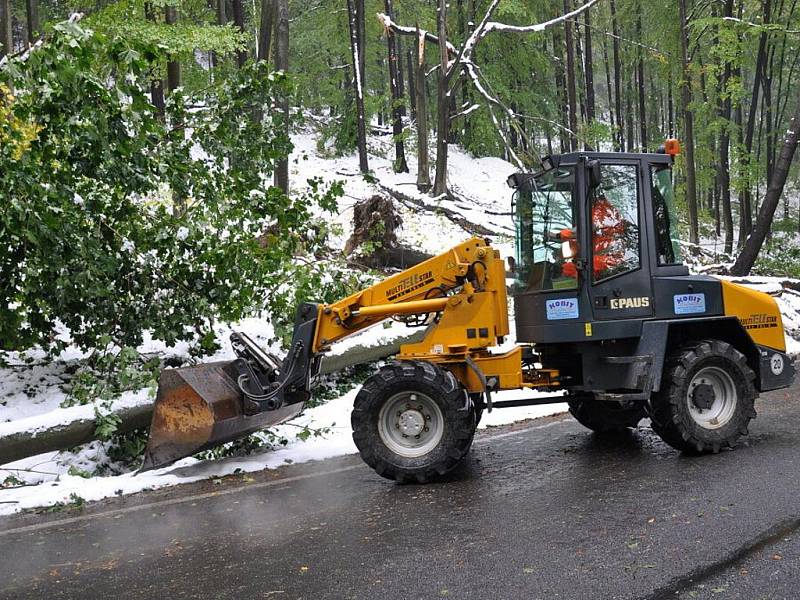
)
(31, 393)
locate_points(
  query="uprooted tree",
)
(374, 238)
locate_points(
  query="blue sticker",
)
(689, 304)
(563, 308)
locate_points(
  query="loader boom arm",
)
(472, 266)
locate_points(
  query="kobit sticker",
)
(689, 304)
(563, 308)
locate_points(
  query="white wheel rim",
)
(725, 400)
(410, 424)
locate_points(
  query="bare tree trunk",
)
(561, 87)
(620, 138)
(173, 66)
(571, 93)
(268, 11)
(442, 104)
(640, 77)
(32, 12)
(423, 166)
(238, 20)
(6, 31)
(611, 101)
(222, 15)
(412, 80)
(746, 196)
(766, 108)
(156, 85)
(670, 107)
(688, 125)
(580, 82)
(222, 19)
(630, 136)
(281, 177)
(400, 165)
(401, 78)
(747, 258)
(356, 46)
(463, 31)
(723, 162)
(588, 68)
(173, 83)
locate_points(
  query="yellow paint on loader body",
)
(469, 321)
(757, 312)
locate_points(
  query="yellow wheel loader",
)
(608, 318)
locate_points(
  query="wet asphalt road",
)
(543, 509)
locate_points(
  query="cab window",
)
(615, 223)
(544, 216)
(668, 247)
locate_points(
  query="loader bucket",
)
(200, 407)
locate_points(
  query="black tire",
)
(605, 417)
(455, 412)
(478, 403)
(674, 410)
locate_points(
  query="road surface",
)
(542, 509)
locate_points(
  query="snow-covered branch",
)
(486, 27)
(493, 26)
(465, 112)
(390, 25)
(773, 28)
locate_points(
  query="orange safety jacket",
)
(608, 226)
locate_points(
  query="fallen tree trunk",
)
(458, 219)
(397, 257)
(23, 444)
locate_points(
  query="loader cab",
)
(592, 231)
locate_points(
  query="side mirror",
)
(595, 177)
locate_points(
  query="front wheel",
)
(707, 397)
(412, 421)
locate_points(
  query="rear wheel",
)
(412, 421)
(706, 399)
(605, 417)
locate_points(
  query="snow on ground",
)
(479, 183)
(334, 415)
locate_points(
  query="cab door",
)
(617, 271)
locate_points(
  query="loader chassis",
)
(603, 307)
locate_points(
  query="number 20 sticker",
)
(776, 364)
